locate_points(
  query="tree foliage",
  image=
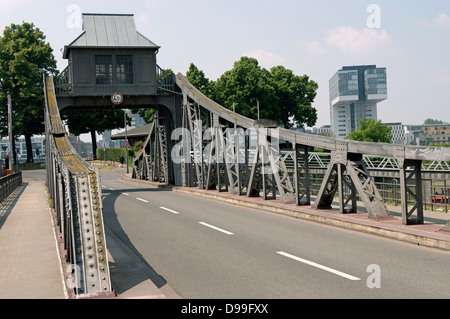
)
(430, 121)
(24, 58)
(198, 79)
(282, 95)
(295, 97)
(92, 121)
(371, 131)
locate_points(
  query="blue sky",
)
(410, 38)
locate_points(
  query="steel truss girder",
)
(348, 170)
(152, 163)
(413, 189)
(74, 189)
(301, 176)
(343, 174)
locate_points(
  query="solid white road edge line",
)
(334, 271)
(169, 210)
(216, 228)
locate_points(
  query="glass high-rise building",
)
(355, 92)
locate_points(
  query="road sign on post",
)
(117, 98)
(126, 144)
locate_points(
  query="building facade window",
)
(103, 69)
(124, 69)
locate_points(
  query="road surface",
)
(209, 249)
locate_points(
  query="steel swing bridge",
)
(195, 142)
(209, 157)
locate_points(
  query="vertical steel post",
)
(126, 139)
(10, 136)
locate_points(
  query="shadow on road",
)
(129, 269)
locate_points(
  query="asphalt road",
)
(208, 249)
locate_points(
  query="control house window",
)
(103, 69)
(124, 69)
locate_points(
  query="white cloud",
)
(442, 20)
(351, 40)
(12, 4)
(316, 48)
(266, 59)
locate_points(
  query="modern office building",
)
(38, 148)
(397, 132)
(355, 92)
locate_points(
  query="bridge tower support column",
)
(411, 184)
(301, 176)
(349, 169)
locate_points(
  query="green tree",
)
(282, 95)
(92, 121)
(24, 58)
(371, 131)
(295, 97)
(430, 121)
(197, 78)
(246, 85)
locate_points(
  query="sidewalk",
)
(29, 263)
(30, 267)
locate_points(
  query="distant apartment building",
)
(397, 132)
(436, 134)
(325, 130)
(354, 94)
(37, 146)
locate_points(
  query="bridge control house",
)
(110, 56)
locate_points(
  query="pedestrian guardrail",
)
(8, 184)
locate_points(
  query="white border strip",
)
(170, 210)
(216, 228)
(334, 271)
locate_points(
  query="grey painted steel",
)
(75, 191)
(214, 159)
(109, 30)
(9, 183)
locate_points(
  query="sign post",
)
(10, 133)
(117, 99)
(127, 145)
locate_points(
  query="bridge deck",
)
(26, 234)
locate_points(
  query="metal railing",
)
(165, 81)
(76, 200)
(8, 184)
(63, 83)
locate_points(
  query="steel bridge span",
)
(215, 148)
(219, 149)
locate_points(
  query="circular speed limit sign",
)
(117, 98)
